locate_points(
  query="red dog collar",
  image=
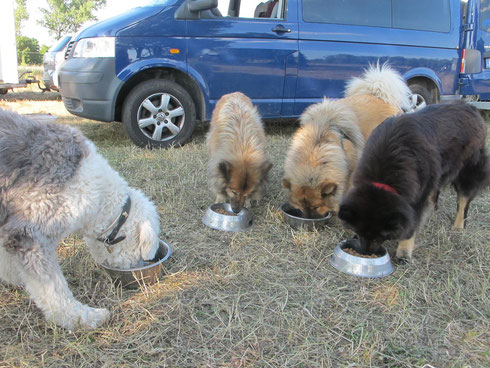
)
(385, 187)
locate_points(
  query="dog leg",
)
(463, 204)
(405, 249)
(41, 276)
(473, 177)
(429, 209)
(8, 273)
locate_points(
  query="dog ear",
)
(286, 183)
(328, 188)
(148, 240)
(347, 214)
(224, 168)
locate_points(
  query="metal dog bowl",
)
(294, 217)
(359, 266)
(227, 222)
(148, 273)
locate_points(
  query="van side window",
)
(485, 15)
(252, 8)
(375, 13)
(424, 15)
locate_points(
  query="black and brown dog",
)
(405, 163)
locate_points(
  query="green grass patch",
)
(262, 298)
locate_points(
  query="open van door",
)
(243, 47)
(475, 65)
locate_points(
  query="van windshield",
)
(156, 2)
(61, 44)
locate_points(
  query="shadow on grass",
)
(31, 96)
(280, 127)
(101, 133)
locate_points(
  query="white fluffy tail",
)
(334, 115)
(383, 82)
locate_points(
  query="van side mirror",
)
(191, 9)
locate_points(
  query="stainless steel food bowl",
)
(359, 266)
(148, 273)
(295, 219)
(230, 222)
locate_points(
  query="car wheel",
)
(421, 96)
(3, 91)
(159, 114)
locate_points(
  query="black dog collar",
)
(116, 226)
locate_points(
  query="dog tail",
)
(334, 115)
(383, 82)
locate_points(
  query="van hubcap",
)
(161, 117)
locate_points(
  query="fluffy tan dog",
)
(238, 164)
(326, 148)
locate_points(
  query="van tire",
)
(159, 114)
(422, 96)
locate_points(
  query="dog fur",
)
(325, 149)
(405, 163)
(238, 164)
(54, 183)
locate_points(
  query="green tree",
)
(44, 49)
(20, 15)
(62, 17)
(28, 51)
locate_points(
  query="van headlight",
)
(96, 47)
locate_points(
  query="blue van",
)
(161, 67)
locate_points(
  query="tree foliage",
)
(20, 15)
(28, 51)
(63, 17)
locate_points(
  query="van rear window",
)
(424, 15)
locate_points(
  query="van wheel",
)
(421, 96)
(159, 114)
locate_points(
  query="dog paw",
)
(402, 261)
(93, 317)
(403, 256)
(82, 317)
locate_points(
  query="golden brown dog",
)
(326, 148)
(238, 164)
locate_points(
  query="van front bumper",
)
(89, 86)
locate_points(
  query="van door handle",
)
(281, 29)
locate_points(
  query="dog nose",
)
(369, 246)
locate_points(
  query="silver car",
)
(52, 60)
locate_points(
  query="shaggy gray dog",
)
(54, 183)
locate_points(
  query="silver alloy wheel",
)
(417, 101)
(161, 117)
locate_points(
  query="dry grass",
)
(263, 298)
